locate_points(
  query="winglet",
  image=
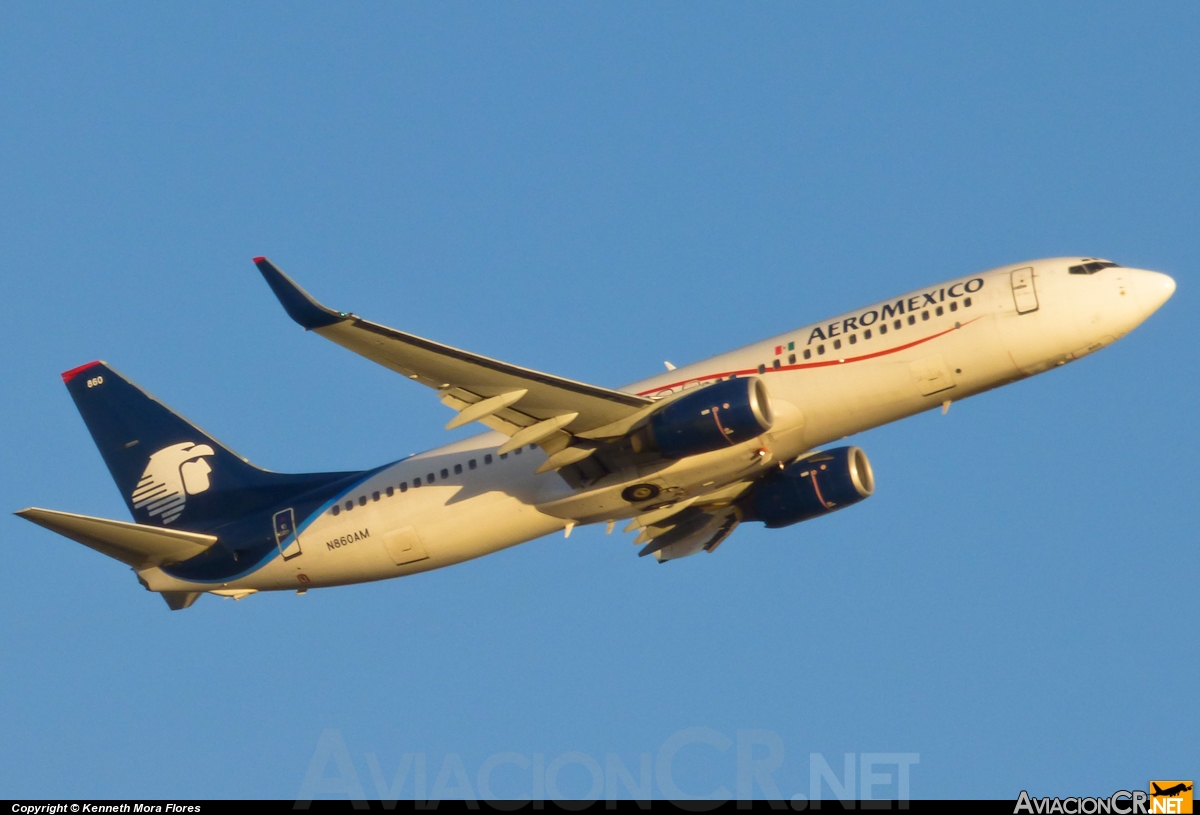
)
(298, 303)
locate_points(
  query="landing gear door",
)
(286, 537)
(1024, 292)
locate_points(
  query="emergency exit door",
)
(1024, 292)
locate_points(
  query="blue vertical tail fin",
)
(170, 472)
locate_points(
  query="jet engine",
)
(720, 415)
(816, 485)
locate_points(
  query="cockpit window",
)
(1090, 266)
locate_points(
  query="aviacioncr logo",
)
(171, 475)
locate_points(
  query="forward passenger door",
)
(1024, 290)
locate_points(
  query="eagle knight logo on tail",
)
(172, 474)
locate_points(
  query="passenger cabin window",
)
(503, 456)
(416, 482)
(471, 464)
(375, 495)
(487, 459)
(912, 320)
(791, 359)
(967, 302)
(445, 474)
(403, 486)
(337, 510)
(837, 344)
(775, 365)
(458, 469)
(897, 325)
(762, 369)
(429, 479)
(349, 505)
(362, 500)
(821, 348)
(954, 305)
(867, 334)
(853, 339)
(924, 315)
(940, 311)
(807, 353)
(518, 451)
(883, 328)
(390, 491)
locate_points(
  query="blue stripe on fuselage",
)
(225, 561)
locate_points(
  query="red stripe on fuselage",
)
(802, 365)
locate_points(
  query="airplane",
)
(682, 457)
(1169, 792)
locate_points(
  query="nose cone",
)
(1152, 289)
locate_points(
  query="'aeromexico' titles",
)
(889, 310)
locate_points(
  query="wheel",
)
(640, 492)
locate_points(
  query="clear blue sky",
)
(590, 189)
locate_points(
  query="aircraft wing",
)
(688, 531)
(529, 406)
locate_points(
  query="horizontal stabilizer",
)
(138, 545)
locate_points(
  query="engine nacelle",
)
(816, 485)
(720, 415)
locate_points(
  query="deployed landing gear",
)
(640, 492)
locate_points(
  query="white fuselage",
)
(826, 381)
